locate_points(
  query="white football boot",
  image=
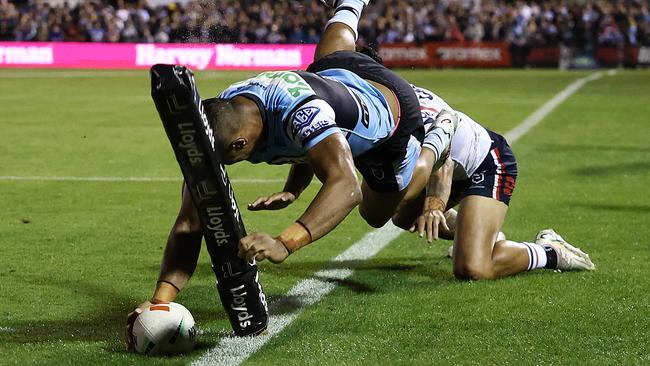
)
(450, 251)
(335, 3)
(569, 258)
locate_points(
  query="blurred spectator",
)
(524, 23)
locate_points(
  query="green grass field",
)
(77, 256)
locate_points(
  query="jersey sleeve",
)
(311, 123)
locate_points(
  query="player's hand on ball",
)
(261, 246)
(130, 319)
(276, 201)
(428, 223)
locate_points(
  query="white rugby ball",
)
(164, 329)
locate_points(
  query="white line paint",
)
(126, 179)
(537, 116)
(235, 350)
(7, 330)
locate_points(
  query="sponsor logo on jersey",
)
(304, 125)
(304, 116)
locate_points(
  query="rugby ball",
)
(164, 329)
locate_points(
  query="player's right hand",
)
(428, 224)
(276, 201)
(130, 319)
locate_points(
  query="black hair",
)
(371, 52)
(223, 120)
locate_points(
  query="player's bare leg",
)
(477, 254)
(378, 207)
(341, 31)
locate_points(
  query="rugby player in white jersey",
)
(480, 175)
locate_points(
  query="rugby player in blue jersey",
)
(346, 112)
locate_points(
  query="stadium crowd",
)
(581, 24)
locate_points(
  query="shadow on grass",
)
(564, 148)
(104, 321)
(617, 169)
(642, 209)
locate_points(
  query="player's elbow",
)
(356, 195)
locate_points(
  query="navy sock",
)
(551, 258)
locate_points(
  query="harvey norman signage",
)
(142, 56)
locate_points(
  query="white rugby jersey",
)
(470, 144)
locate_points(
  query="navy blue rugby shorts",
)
(495, 178)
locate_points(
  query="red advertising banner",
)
(440, 54)
(544, 56)
(405, 55)
(485, 54)
(143, 56)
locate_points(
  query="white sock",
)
(348, 12)
(536, 256)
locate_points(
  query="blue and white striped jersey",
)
(300, 109)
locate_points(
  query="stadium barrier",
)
(501, 54)
(442, 54)
(206, 56)
(143, 56)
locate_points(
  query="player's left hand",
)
(276, 201)
(130, 319)
(428, 223)
(261, 246)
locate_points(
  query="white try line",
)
(537, 116)
(127, 179)
(234, 350)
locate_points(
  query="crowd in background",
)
(581, 24)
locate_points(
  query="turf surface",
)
(77, 255)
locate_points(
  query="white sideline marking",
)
(7, 330)
(537, 116)
(233, 350)
(126, 179)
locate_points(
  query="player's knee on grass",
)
(374, 220)
(471, 272)
(473, 269)
(401, 223)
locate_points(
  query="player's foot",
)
(450, 251)
(335, 3)
(569, 258)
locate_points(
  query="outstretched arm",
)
(437, 195)
(341, 192)
(178, 263)
(331, 160)
(182, 251)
